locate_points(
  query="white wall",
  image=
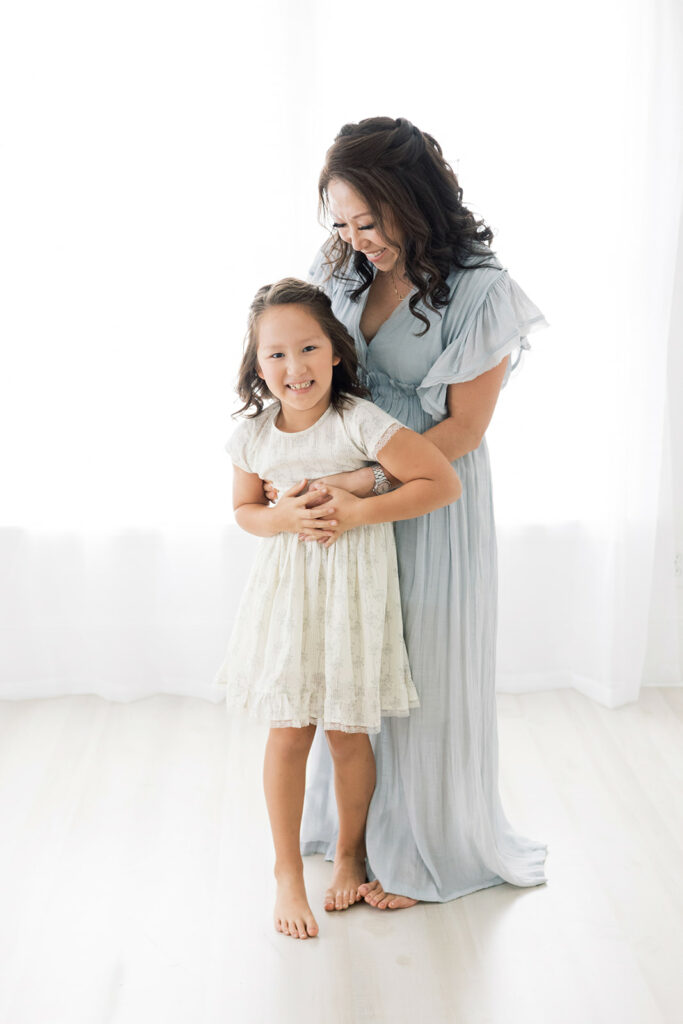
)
(666, 614)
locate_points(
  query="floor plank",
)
(137, 863)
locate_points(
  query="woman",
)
(435, 318)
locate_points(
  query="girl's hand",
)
(294, 514)
(344, 514)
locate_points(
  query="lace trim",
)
(387, 436)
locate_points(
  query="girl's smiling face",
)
(295, 359)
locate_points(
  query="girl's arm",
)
(253, 514)
(429, 481)
(470, 408)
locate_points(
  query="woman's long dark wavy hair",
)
(399, 170)
(252, 389)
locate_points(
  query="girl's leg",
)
(354, 784)
(284, 782)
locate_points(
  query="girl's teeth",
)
(300, 387)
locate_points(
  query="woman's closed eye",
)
(361, 227)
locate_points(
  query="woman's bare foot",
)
(374, 894)
(293, 916)
(348, 874)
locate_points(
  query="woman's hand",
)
(358, 481)
(295, 513)
(344, 506)
(269, 491)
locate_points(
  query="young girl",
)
(318, 635)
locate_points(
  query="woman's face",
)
(352, 218)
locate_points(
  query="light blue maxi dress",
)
(436, 828)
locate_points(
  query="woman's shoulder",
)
(469, 286)
(321, 269)
(324, 271)
(479, 266)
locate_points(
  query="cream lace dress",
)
(319, 635)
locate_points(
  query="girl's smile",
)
(295, 359)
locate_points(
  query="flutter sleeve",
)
(369, 427)
(498, 327)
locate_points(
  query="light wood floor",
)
(135, 861)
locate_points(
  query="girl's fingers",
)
(303, 499)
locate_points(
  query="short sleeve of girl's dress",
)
(369, 427)
(499, 326)
(238, 445)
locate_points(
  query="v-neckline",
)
(365, 341)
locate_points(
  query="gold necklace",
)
(393, 282)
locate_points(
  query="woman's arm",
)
(470, 408)
(428, 482)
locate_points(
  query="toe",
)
(352, 897)
(400, 902)
(329, 900)
(301, 929)
(312, 927)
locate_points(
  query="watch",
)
(382, 485)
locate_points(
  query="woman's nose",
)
(351, 236)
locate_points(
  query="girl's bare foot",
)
(293, 916)
(374, 894)
(348, 874)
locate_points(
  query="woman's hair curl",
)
(400, 171)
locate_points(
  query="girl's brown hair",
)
(401, 172)
(252, 389)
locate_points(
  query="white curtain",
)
(160, 163)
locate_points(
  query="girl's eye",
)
(274, 355)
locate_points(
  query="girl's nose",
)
(296, 367)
